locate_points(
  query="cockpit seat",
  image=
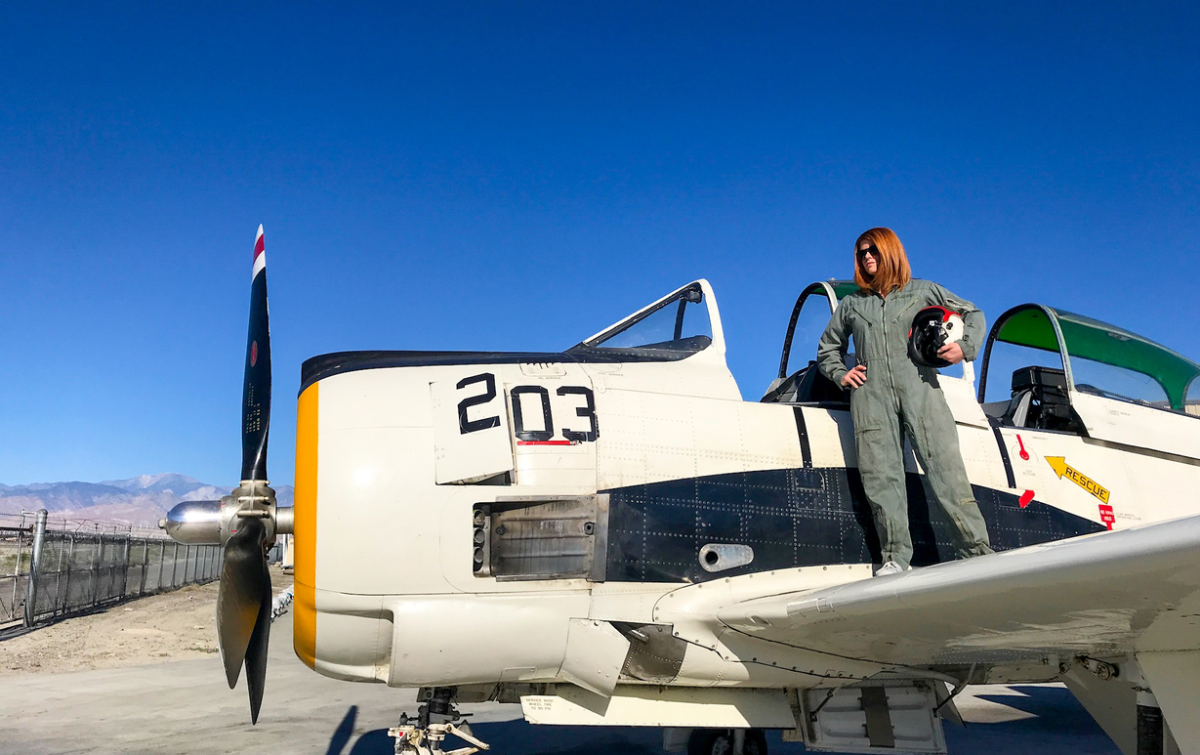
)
(805, 386)
(1040, 401)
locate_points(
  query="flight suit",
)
(900, 396)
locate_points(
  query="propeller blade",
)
(244, 595)
(256, 392)
(256, 652)
(245, 585)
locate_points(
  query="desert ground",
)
(145, 677)
(174, 626)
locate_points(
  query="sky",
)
(516, 176)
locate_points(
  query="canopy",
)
(1038, 326)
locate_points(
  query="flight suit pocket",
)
(867, 445)
(929, 437)
(936, 425)
(860, 411)
(904, 309)
(860, 331)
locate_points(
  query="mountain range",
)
(139, 502)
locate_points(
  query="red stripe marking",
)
(1025, 498)
(545, 443)
(259, 245)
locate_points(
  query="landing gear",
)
(435, 719)
(727, 742)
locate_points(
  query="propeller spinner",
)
(246, 521)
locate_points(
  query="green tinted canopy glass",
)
(1030, 325)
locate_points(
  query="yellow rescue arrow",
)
(1063, 469)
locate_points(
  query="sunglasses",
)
(871, 250)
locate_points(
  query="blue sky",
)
(518, 175)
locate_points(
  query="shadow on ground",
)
(1058, 724)
(520, 738)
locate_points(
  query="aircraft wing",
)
(1113, 593)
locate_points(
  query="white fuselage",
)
(394, 592)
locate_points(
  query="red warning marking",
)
(259, 246)
(1107, 516)
(1025, 498)
(1024, 454)
(253, 353)
(545, 443)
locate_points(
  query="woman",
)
(890, 394)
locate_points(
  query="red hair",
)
(892, 271)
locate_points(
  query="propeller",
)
(246, 521)
(244, 609)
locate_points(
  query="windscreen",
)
(678, 323)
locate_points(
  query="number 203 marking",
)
(488, 380)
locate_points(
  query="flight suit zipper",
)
(887, 355)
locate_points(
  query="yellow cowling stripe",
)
(304, 634)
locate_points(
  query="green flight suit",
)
(901, 397)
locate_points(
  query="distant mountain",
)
(185, 488)
(139, 502)
(59, 496)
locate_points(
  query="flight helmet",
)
(933, 328)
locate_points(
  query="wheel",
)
(720, 742)
(756, 742)
(710, 742)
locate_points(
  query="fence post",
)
(97, 556)
(125, 571)
(58, 577)
(35, 566)
(66, 596)
(145, 566)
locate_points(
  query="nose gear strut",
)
(435, 720)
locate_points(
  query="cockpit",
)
(1074, 374)
(810, 315)
(1042, 368)
(1092, 357)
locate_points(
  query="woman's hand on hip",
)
(951, 352)
(856, 377)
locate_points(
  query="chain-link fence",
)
(16, 543)
(79, 571)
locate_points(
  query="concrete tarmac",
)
(186, 707)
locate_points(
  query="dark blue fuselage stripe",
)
(796, 518)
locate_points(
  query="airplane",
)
(612, 536)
